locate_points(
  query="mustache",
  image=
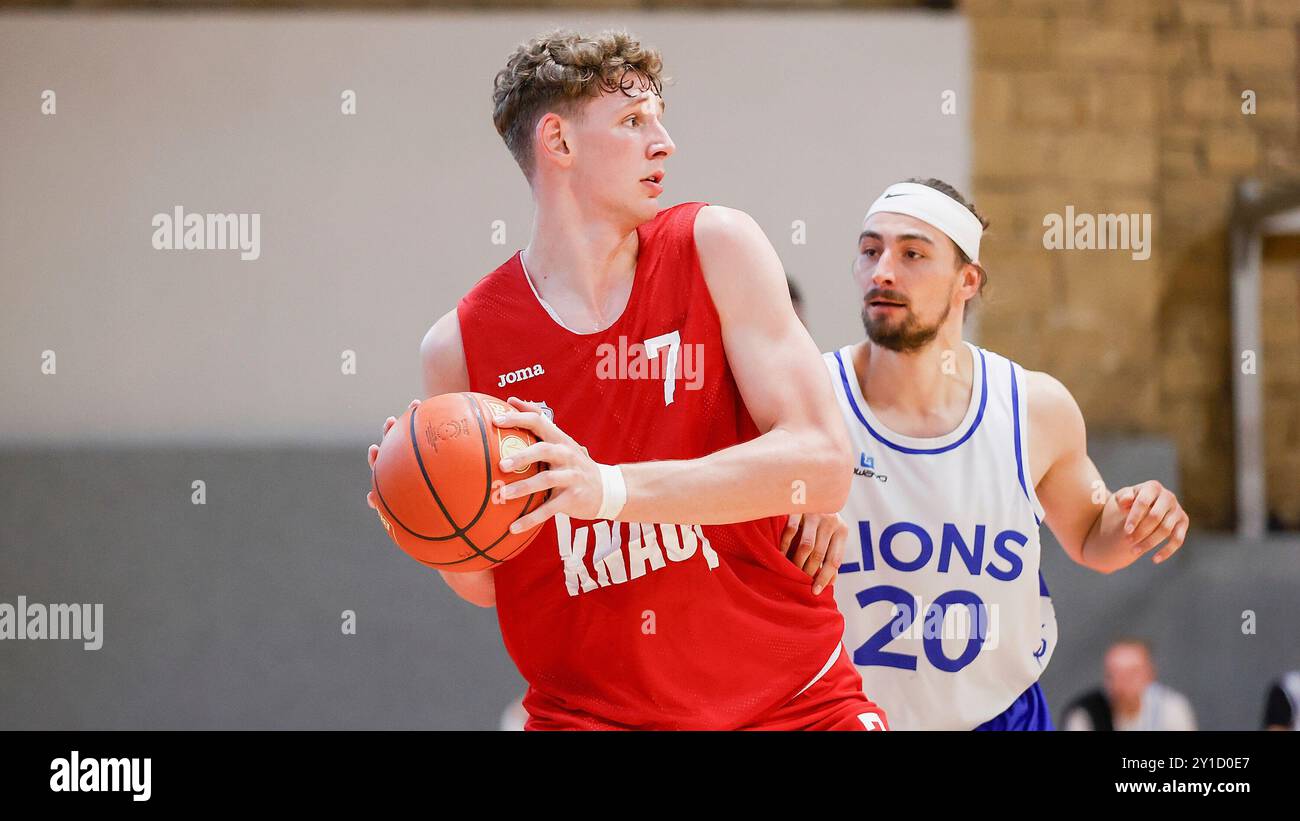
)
(885, 294)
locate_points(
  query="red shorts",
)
(832, 702)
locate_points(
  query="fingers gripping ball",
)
(436, 480)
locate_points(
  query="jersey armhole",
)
(462, 310)
(1020, 424)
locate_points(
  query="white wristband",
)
(613, 491)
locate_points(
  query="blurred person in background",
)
(1282, 705)
(1130, 697)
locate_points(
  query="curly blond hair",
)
(559, 71)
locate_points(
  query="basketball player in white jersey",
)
(960, 455)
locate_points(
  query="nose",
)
(662, 146)
(883, 273)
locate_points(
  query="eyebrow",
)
(639, 100)
(876, 235)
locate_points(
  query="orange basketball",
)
(435, 481)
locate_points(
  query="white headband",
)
(936, 208)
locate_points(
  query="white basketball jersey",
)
(946, 614)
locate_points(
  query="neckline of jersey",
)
(637, 276)
(921, 445)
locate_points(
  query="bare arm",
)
(800, 462)
(442, 368)
(1098, 529)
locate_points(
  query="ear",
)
(552, 139)
(970, 277)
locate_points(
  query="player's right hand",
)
(1154, 514)
(817, 542)
(374, 451)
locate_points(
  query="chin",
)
(646, 209)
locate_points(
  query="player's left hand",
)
(374, 450)
(1154, 515)
(569, 472)
(818, 546)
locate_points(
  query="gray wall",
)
(1191, 609)
(227, 615)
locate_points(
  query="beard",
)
(901, 335)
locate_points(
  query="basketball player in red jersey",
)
(682, 415)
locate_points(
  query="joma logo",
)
(519, 375)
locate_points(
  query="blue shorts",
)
(1029, 712)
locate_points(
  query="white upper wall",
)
(373, 225)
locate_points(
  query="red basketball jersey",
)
(643, 625)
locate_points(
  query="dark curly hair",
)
(559, 71)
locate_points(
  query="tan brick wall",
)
(1064, 112)
(1136, 106)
